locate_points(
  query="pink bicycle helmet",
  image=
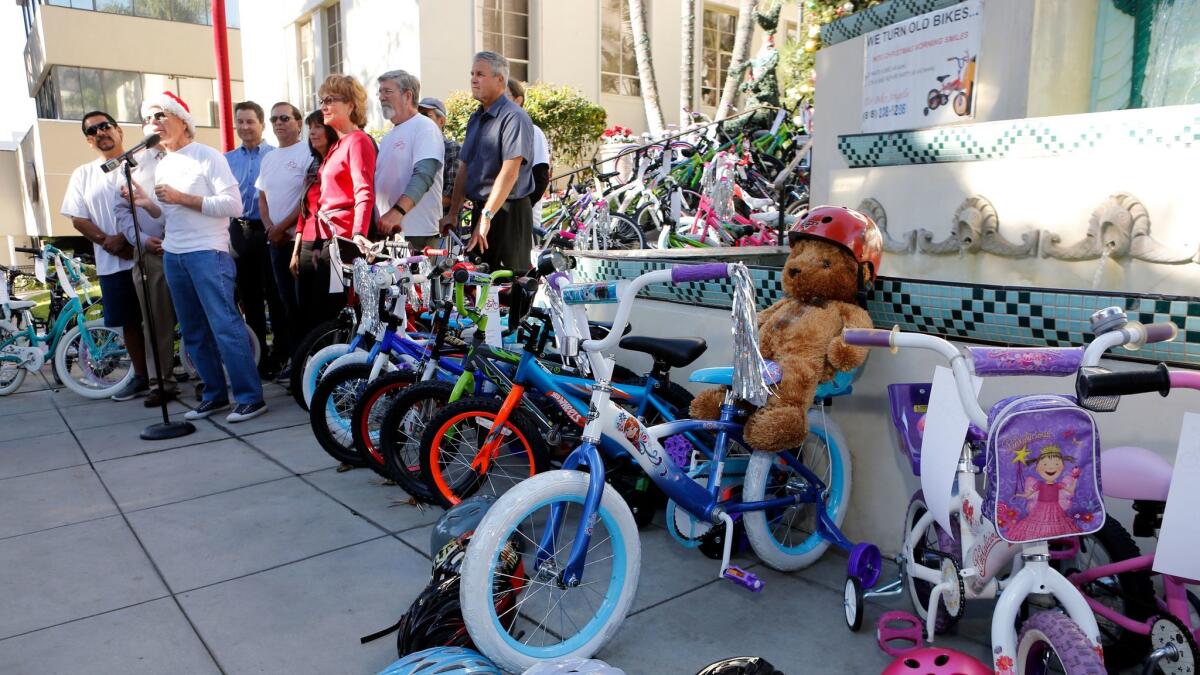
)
(936, 661)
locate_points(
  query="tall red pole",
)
(221, 50)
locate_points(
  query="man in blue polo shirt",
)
(256, 286)
(495, 170)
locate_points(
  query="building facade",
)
(291, 45)
(156, 45)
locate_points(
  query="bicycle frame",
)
(1174, 588)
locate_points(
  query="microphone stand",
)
(165, 429)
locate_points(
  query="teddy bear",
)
(835, 253)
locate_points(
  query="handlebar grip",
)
(26, 249)
(704, 272)
(435, 252)
(413, 259)
(1161, 332)
(1132, 382)
(867, 337)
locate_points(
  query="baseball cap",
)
(436, 104)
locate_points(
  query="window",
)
(719, 28)
(307, 58)
(333, 38)
(618, 63)
(69, 92)
(46, 108)
(506, 31)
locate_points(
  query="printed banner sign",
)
(921, 72)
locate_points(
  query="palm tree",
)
(645, 63)
(687, 63)
(741, 51)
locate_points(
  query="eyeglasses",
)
(330, 100)
(281, 118)
(97, 128)
(387, 92)
(156, 117)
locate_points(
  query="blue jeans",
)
(201, 286)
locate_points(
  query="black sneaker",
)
(206, 408)
(137, 386)
(285, 375)
(246, 411)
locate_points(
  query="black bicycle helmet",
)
(740, 665)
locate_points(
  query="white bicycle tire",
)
(64, 372)
(475, 592)
(754, 489)
(317, 363)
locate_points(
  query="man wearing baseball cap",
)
(435, 110)
(199, 195)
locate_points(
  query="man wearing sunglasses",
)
(280, 186)
(89, 202)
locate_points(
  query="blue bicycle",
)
(578, 540)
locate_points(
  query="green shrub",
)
(571, 122)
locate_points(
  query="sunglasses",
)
(157, 117)
(330, 100)
(97, 128)
(281, 118)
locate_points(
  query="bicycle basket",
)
(1043, 469)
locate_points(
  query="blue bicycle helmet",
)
(460, 519)
(443, 661)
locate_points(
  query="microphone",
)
(147, 142)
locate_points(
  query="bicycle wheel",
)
(93, 374)
(401, 431)
(12, 373)
(333, 331)
(1130, 594)
(624, 234)
(332, 406)
(452, 450)
(935, 544)
(553, 620)
(373, 405)
(314, 370)
(1050, 642)
(787, 539)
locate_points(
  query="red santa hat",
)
(169, 102)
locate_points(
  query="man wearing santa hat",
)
(199, 195)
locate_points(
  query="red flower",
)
(1004, 664)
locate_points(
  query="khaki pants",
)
(159, 305)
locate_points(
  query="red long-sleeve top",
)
(348, 183)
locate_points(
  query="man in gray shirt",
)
(495, 170)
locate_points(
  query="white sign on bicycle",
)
(921, 72)
(1176, 552)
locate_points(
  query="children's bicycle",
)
(1165, 622)
(1040, 454)
(89, 358)
(579, 543)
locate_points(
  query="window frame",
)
(722, 73)
(308, 84)
(55, 81)
(333, 39)
(482, 36)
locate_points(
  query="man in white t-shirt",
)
(408, 169)
(89, 202)
(199, 195)
(280, 186)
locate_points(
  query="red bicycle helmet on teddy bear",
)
(851, 230)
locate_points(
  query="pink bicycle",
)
(1165, 625)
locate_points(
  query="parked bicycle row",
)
(493, 395)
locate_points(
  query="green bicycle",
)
(89, 358)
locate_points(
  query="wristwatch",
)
(487, 213)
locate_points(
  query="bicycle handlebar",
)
(26, 249)
(1157, 379)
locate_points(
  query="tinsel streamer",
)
(717, 184)
(564, 326)
(601, 225)
(748, 363)
(364, 284)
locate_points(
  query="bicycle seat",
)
(724, 375)
(606, 176)
(772, 218)
(18, 305)
(942, 78)
(676, 352)
(1135, 473)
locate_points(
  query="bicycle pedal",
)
(748, 580)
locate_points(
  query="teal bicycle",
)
(89, 358)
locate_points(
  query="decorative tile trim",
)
(996, 315)
(1169, 128)
(879, 16)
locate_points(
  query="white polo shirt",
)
(91, 194)
(417, 138)
(281, 177)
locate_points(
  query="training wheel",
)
(852, 603)
(902, 627)
(866, 563)
(1168, 633)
